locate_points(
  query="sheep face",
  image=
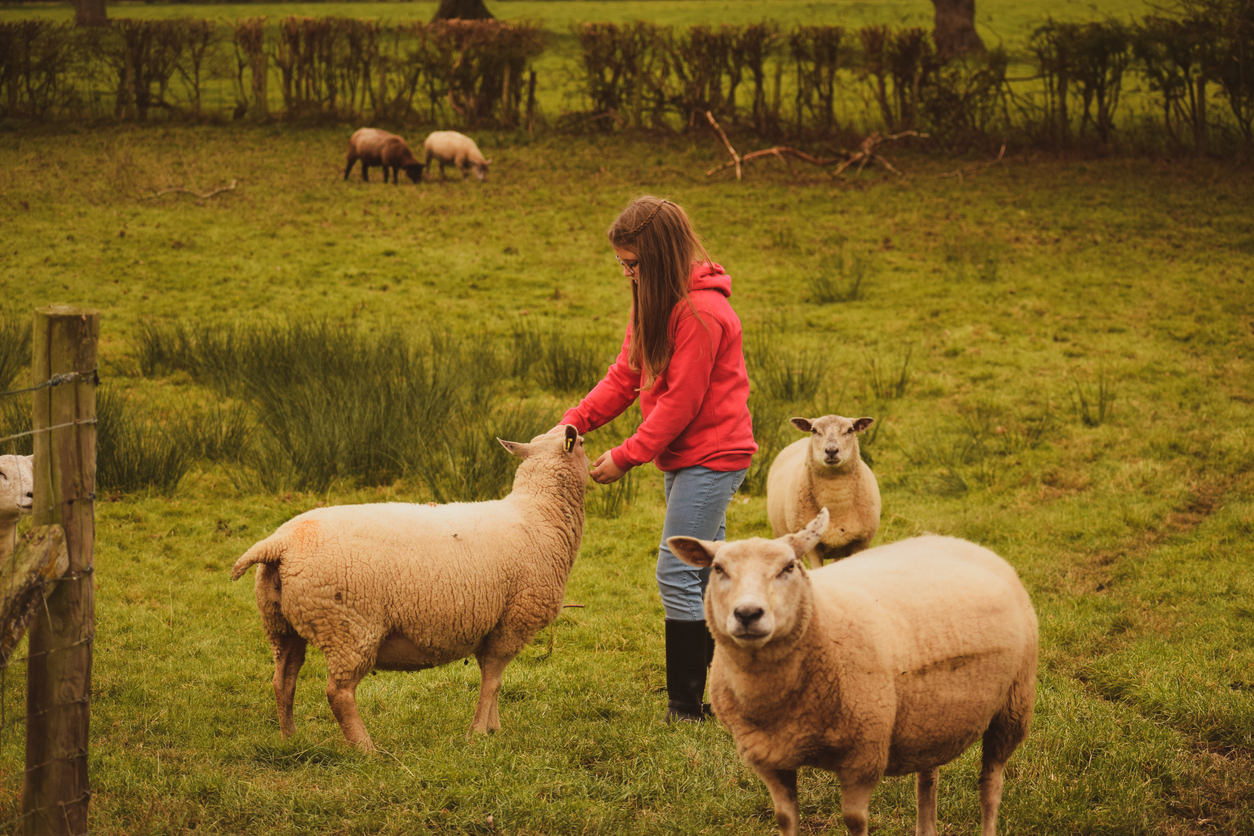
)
(414, 172)
(481, 169)
(758, 588)
(833, 440)
(17, 486)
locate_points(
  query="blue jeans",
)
(696, 506)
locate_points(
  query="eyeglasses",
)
(627, 265)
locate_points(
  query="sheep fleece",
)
(353, 576)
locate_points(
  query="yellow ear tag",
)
(570, 444)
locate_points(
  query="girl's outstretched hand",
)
(605, 471)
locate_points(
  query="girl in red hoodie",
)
(683, 357)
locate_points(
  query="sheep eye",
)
(718, 570)
(787, 570)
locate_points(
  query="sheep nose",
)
(748, 615)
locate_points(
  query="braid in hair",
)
(639, 228)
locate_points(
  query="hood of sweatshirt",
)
(709, 276)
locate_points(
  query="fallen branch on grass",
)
(976, 167)
(864, 155)
(194, 194)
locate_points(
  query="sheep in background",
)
(825, 471)
(399, 586)
(17, 497)
(890, 662)
(457, 150)
(375, 147)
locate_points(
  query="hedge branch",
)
(976, 167)
(864, 155)
(194, 194)
(730, 149)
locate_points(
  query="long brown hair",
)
(662, 237)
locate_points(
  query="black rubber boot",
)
(687, 658)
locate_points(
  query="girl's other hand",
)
(605, 471)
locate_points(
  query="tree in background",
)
(955, 28)
(90, 13)
(463, 10)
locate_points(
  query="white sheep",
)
(457, 150)
(825, 471)
(890, 662)
(399, 586)
(17, 497)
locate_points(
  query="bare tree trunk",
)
(955, 28)
(462, 10)
(90, 13)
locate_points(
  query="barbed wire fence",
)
(48, 576)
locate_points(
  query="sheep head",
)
(833, 440)
(17, 486)
(413, 171)
(559, 453)
(759, 589)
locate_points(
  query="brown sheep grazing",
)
(375, 147)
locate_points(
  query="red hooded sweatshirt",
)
(697, 411)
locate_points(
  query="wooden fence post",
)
(55, 794)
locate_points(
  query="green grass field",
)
(1058, 355)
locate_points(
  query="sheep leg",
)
(925, 786)
(289, 655)
(855, 801)
(365, 175)
(491, 675)
(782, 784)
(1007, 730)
(342, 695)
(352, 160)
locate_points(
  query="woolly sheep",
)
(457, 150)
(403, 587)
(376, 147)
(17, 497)
(825, 471)
(886, 663)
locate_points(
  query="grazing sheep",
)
(375, 147)
(17, 497)
(403, 587)
(457, 150)
(890, 662)
(825, 471)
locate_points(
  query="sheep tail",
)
(269, 550)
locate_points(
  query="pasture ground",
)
(1058, 355)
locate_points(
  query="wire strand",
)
(92, 377)
(47, 429)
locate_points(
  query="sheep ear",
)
(694, 552)
(517, 448)
(802, 424)
(862, 423)
(572, 435)
(808, 537)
